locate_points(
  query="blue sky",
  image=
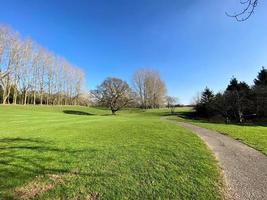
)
(191, 43)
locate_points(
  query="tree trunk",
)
(6, 95)
(34, 98)
(25, 97)
(41, 97)
(15, 96)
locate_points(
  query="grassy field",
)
(252, 135)
(85, 153)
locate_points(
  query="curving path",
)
(244, 168)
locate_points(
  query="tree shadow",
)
(192, 116)
(23, 159)
(76, 112)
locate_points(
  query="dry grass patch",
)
(38, 186)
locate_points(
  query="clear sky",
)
(191, 43)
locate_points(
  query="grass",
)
(85, 153)
(252, 135)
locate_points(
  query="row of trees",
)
(148, 91)
(29, 74)
(239, 102)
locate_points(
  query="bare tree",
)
(139, 78)
(113, 93)
(248, 9)
(12, 52)
(171, 103)
(4, 32)
(25, 69)
(149, 87)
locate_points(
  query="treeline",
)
(30, 74)
(238, 103)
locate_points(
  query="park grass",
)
(254, 136)
(67, 152)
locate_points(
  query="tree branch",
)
(247, 11)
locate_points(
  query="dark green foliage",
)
(260, 94)
(261, 79)
(205, 107)
(239, 102)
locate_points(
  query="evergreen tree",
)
(207, 96)
(233, 85)
(260, 93)
(261, 79)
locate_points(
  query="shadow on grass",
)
(192, 116)
(76, 112)
(23, 159)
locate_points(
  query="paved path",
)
(244, 168)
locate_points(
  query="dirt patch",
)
(38, 186)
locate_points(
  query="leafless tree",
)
(171, 103)
(113, 93)
(247, 10)
(4, 32)
(149, 87)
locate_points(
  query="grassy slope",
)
(254, 136)
(131, 156)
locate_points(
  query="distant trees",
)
(29, 74)
(113, 93)
(148, 91)
(149, 88)
(238, 102)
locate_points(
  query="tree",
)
(261, 79)
(246, 12)
(113, 93)
(238, 94)
(207, 96)
(4, 33)
(260, 93)
(149, 88)
(171, 103)
(205, 106)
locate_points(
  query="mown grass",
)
(252, 135)
(85, 153)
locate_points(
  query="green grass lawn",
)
(252, 135)
(85, 153)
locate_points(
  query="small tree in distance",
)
(113, 93)
(171, 103)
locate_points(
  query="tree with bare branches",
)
(171, 103)
(113, 93)
(149, 88)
